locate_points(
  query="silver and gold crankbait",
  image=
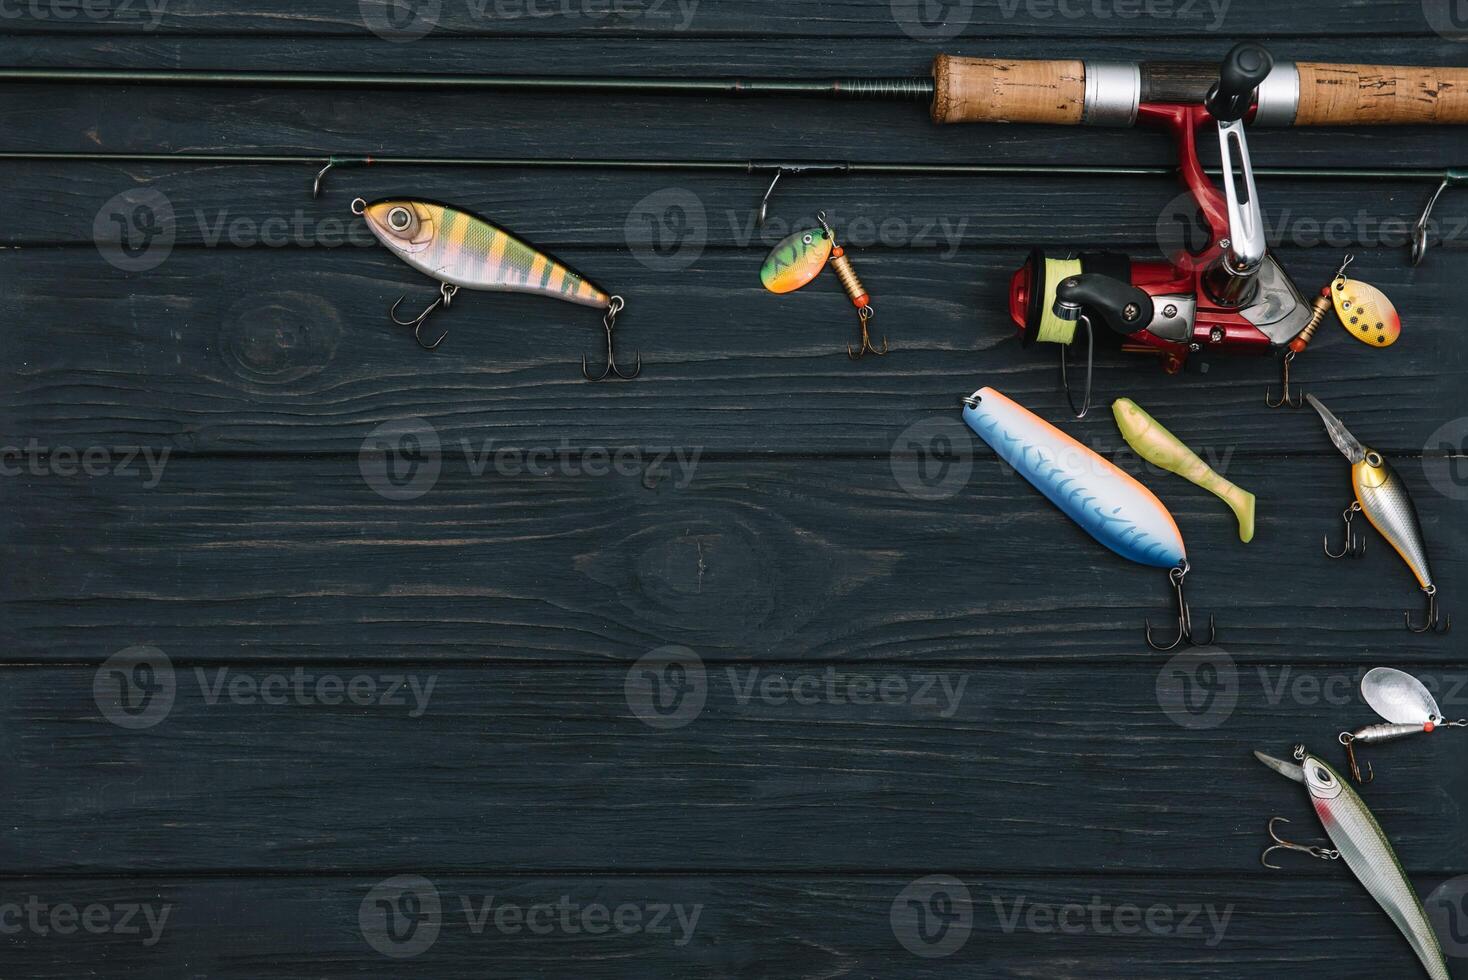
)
(1361, 843)
(1383, 498)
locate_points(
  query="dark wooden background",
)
(799, 544)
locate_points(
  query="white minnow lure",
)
(1360, 842)
(1110, 505)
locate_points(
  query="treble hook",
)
(1280, 844)
(321, 177)
(1432, 625)
(1451, 178)
(446, 294)
(1349, 741)
(866, 313)
(609, 322)
(1084, 321)
(1285, 399)
(1355, 545)
(1184, 617)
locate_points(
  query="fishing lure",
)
(1151, 441)
(463, 251)
(1108, 504)
(1408, 707)
(1361, 843)
(799, 259)
(1383, 498)
(1363, 310)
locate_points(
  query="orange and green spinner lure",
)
(796, 261)
(464, 251)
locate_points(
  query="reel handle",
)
(1243, 71)
(1124, 308)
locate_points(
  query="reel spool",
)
(1032, 293)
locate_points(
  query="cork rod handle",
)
(996, 90)
(1376, 95)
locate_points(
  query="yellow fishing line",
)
(1054, 330)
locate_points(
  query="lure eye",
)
(398, 219)
(1322, 775)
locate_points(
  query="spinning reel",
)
(1233, 297)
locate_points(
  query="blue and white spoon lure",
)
(1108, 504)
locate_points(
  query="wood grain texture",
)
(811, 558)
(741, 18)
(838, 518)
(803, 926)
(783, 766)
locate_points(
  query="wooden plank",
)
(787, 767)
(668, 217)
(804, 926)
(129, 119)
(739, 18)
(267, 349)
(929, 555)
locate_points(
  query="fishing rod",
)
(776, 169)
(958, 90)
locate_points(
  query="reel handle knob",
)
(1243, 71)
(1124, 308)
